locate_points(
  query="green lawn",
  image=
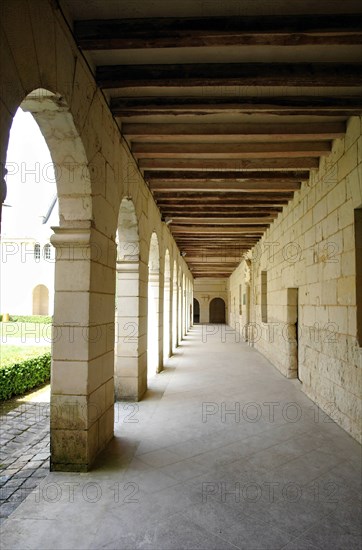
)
(10, 355)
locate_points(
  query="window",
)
(264, 297)
(46, 252)
(240, 299)
(358, 249)
(37, 251)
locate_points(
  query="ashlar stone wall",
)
(308, 254)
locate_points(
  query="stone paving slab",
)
(24, 454)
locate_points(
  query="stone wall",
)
(205, 289)
(308, 254)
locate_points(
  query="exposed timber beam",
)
(249, 131)
(177, 32)
(293, 105)
(235, 175)
(222, 220)
(239, 230)
(230, 74)
(227, 185)
(257, 150)
(230, 164)
(221, 210)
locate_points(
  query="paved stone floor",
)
(24, 453)
(223, 453)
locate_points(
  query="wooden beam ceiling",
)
(247, 131)
(257, 150)
(224, 145)
(294, 105)
(230, 74)
(175, 32)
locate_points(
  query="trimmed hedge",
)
(31, 319)
(19, 378)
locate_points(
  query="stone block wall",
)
(308, 254)
(207, 288)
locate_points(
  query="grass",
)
(9, 355)
(24, 330)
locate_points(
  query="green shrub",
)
(46, 319)
(20, 377)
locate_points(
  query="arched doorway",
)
(153, 358)
(130, 381)
(40, 300)
(217, 311)
(196, 311)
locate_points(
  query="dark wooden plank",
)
(304, 163)
(176, 32)
(211, 230)
(249, 131)
(300, 105)
(224, 185)
(258, 150)
(234, 175)
(230, 74)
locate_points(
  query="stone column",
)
(161, 328)
(82, 386)
(130, 360)
(153, 333)
(168, 307)
(174, 316)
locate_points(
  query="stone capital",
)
(75, 236)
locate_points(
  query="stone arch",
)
(70, 163)
(217, 310)
(130, 378)
(153, 328)
(79, 256)
(41, 300)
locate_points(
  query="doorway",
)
(196, 311)
(217, 311)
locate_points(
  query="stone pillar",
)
(167, 318)
(174, 316)
(161, 327)
(153, 332)
(179, 314)
(130, 360)
(82, 386)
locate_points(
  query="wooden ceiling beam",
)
(177, 32)
(239, 176)
(229, 74)
(217, 186)
(257, 150)
(294, 105)
(305, 163)
(239, 230)
(273, 213)
(233, 220)
(249, 131)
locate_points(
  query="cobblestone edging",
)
(24, 454)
